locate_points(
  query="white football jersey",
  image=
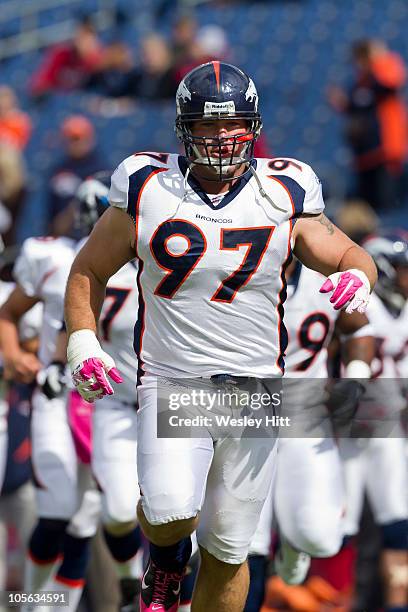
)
(42, 270)
(309, 320)
(391, 335)
(211, 278)
(116, 325)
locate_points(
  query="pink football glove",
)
(350, 288)
(90, 366)
(91, 379)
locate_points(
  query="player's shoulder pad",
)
(33, 259)
(43, 247)
(131, 174)
(298, 179)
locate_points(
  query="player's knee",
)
(162, 503)
(228, 548)
(170, 533)
(167, 532)
(320, 536)
(395, 535)
(119, 512)
(227, 538)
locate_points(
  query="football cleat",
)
(160, 591)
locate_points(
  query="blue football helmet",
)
(389, 249)
(92, 200)
(212, 91)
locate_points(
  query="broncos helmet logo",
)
(182, 94)
(251, 94)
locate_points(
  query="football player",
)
(309, 504)
(213, 231)
(114, 449)
(309, 497)
(17, 503)
(67, 504)
(377, 463)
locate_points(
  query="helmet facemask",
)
(200, 149)
(386, 287)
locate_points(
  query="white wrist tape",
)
(362, 332)
(357, 369)
(83, 344)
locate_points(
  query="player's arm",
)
(108, 248)
(322, 246)
(358, 344)
(19, 365)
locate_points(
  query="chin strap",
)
(262, 190)
(186, 189)
(185, 182)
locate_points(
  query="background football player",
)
(377, 464)
(114, 421)
(67, 504)
(309, 496)
(17, 503)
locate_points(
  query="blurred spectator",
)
(12, 190)
(357, 219)
(81, 159)
(183, 37)
(15, 126)
(15, 131)
(151, 80)
(67, 66)
(212, 42)
(377, 125)
(112, 76)
(209, 43)
(154, 79)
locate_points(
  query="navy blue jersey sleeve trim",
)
(296, 193)
(137, 181)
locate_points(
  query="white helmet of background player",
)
(92, 201)
(389, 249)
